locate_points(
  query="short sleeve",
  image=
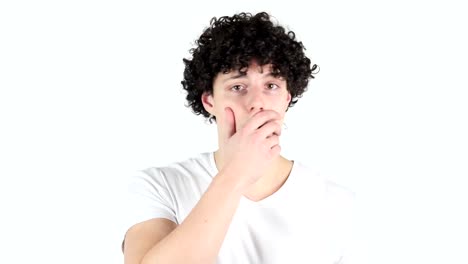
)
(355, 250)
(147, 197)
(342, 212)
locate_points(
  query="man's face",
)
(246, 94)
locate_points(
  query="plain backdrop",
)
(90, 92)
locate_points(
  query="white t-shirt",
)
(307, 220)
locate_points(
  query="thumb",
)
(229, 123)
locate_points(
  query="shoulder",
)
(197, 168)
(338, 191)
(340, 204)
(337, 194)
(181, 168)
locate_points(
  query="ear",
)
(208, 102)
(288, 100)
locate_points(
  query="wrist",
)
(230, 182)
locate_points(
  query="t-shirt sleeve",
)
(147, 196)
(342, 213)
(355, 251)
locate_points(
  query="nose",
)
(256, 102)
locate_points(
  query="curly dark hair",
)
(231, 43)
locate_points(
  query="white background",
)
(90, 93)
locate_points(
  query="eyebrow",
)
(244, 75)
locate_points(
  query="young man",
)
(243, 203)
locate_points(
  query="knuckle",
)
(256, 136)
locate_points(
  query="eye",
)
(273, 86)
(236, 88)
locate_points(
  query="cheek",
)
(236, 109)
(241, 118)
(281, 106)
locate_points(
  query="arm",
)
(197, 239)
(141, 237)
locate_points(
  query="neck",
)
(270, 182)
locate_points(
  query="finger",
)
(229, 123)
(275, 151)
(260, 118)
(272, 141)
(269, 129)
(273, 146)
